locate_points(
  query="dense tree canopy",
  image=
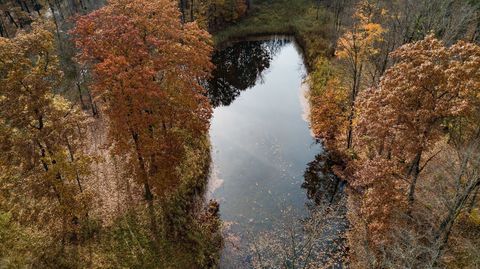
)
(401, 123)
(429, 84)
(40, 133)
(148, 73)
(394, 95)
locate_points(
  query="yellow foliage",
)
(358, 43)
(475, 216)
(329, 99)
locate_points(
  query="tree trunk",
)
(93, 106)
(3, 28)
(183, 7)
(23, 6)
(58, 4)
(56, 23)
(80, 95)
(36, 6)
(82, 5)
(415, 173)
(192, 17)
(9, 15)
(446, 225)
(72, 159)
(357, 73)
(351, 113)
(148, 193)
(472, 202)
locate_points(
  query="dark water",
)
(267, 168)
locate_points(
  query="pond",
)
(268, 172)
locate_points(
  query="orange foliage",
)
(404, 117)
(328, 113)
(382, 195)
(429, 84)
(329, 102)
(147, 68)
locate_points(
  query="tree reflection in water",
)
(322, 186)
(239, 67)
(316, 240)
(310, 237)
(327, 210)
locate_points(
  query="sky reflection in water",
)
(261, 144)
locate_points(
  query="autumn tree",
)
(215, 14)
(429, 84)
(442, 223)
(355, 46)
(339, 9)
(329, 101)
(42, 165)
(429, 95)
(147, 72)
(381, 196)
(408, 21)
(459, 170)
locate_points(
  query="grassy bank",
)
(190, 235)
(303, 19)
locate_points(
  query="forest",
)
(240, 134)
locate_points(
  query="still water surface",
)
(263, 153)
